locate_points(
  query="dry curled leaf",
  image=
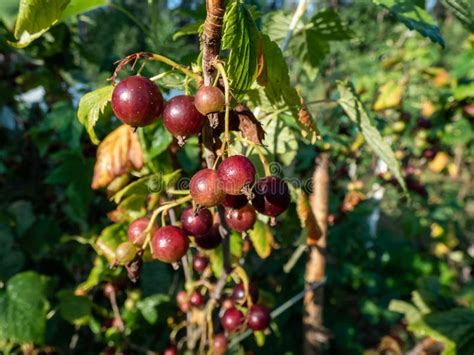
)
(250, 127)
(351, 200)
(309, 129)
(118, 153)
(307, 219)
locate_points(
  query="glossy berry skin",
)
(238, 294)
(232, 319)
(169, 244)
(210, 240)
(171, 350)
(241, 220)
(197, 299)
(271, 196)
(181, 118)
(219, 344)
(196, 224)
(204, 188)
(235, 201)
(258, 317)
(136, 229)
(125, 253)
(137, 101)
(235, 173)
(200, 263)
(209, 99)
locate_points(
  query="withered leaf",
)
(309, 129)
(118, 153)
(250, 127)
(307, 219)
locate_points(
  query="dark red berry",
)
(136, 229)
(137, 101)
(219, 344)
(197, 299)
(204, 188)
(236, 173)
(271, 196)
(196, 223)
(210, 240)
(181, 118)
(232, 319)
(171, 350)
(238, 294)
(169, 244)
(235, 201)
(209, 99)
(258, 317)
(241, 220)
(200, 263)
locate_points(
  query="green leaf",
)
(407, 309)
(455, 328)
(155, 277)
(327, 25)
(12, 258)
(101, 271)
(236, 244)
(74, 309)
(35, 17)
(463, 11)
(276, 25)
(275, 77)
(91, 106)
(259, 338)
(217, 261)
(156, 139)
(24, 215)
(148, 306)
(262, 239)
(109, 240)
(414, 17)
(77, 7)
(23, 309)
(191, 29)
(355, 110)
(280, 141)
(240, 36)
(143, 187)
(8, 11)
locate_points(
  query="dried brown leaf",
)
(307, 219)
(118, 153)
(250, 127)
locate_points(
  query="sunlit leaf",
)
(390, 96)
(35, 17)
(240, 36)
(355, 110)
(414, 17)
(262, 239)
(91, 106)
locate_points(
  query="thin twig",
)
(279, 310)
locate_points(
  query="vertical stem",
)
(299, 12)
(314, 333)
(211, 37)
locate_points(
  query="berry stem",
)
(174, 65)
(163, 208)
(220, 68)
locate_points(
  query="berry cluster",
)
(230, 187)
(138, 102)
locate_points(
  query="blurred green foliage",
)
(380, 247)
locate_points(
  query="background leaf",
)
(414, 17)
(23, 309)
(35, 17)
(358, 115)
(262, 239)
